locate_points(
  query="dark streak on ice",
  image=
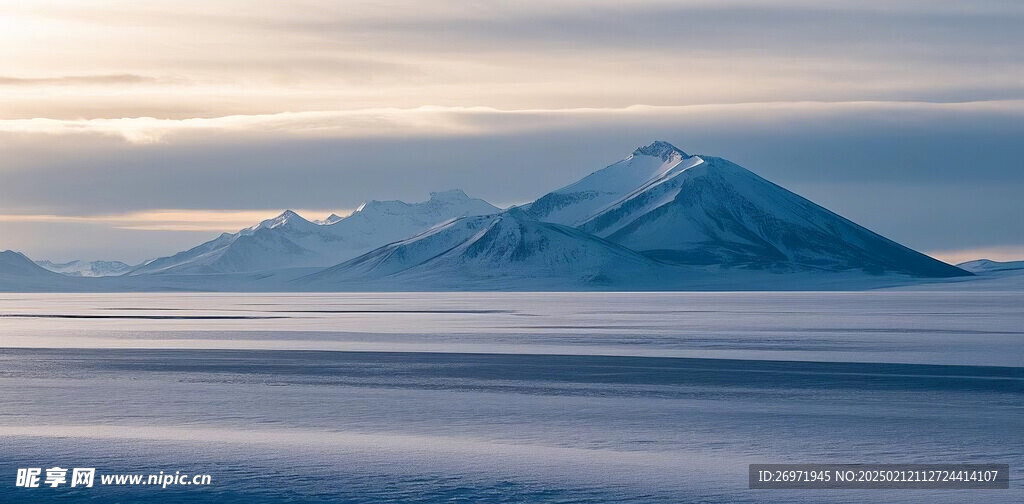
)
(456, 371)
(139, 317)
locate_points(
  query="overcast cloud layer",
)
(134, 129)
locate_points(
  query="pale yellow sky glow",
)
(991, 253)
(434, 121)
(174, 220)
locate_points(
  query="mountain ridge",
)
(506, 250)
(659, 219)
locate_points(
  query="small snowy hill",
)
(19, 273)
(510, 250)
(982, 266)
(705, 210)
(290, 241)
(15, 264)
(87, 268)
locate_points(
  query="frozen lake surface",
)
(506, 397)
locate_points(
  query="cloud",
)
(76, 80)
(358, 123)
(468, 121)
(265, 57)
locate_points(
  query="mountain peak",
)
(517, 213)
(449, 195)
(330, 219)
(661, 149)
(11, 254)
(286, 217)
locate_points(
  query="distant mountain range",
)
(659, 219)
(290, 241)
(981, 266)
(87, 268)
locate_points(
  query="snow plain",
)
(507, 397)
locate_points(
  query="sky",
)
(135, 129)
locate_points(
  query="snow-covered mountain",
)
(290, 241)
(989, 266)
(87, 268)
(685, 209)
(510, 250)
